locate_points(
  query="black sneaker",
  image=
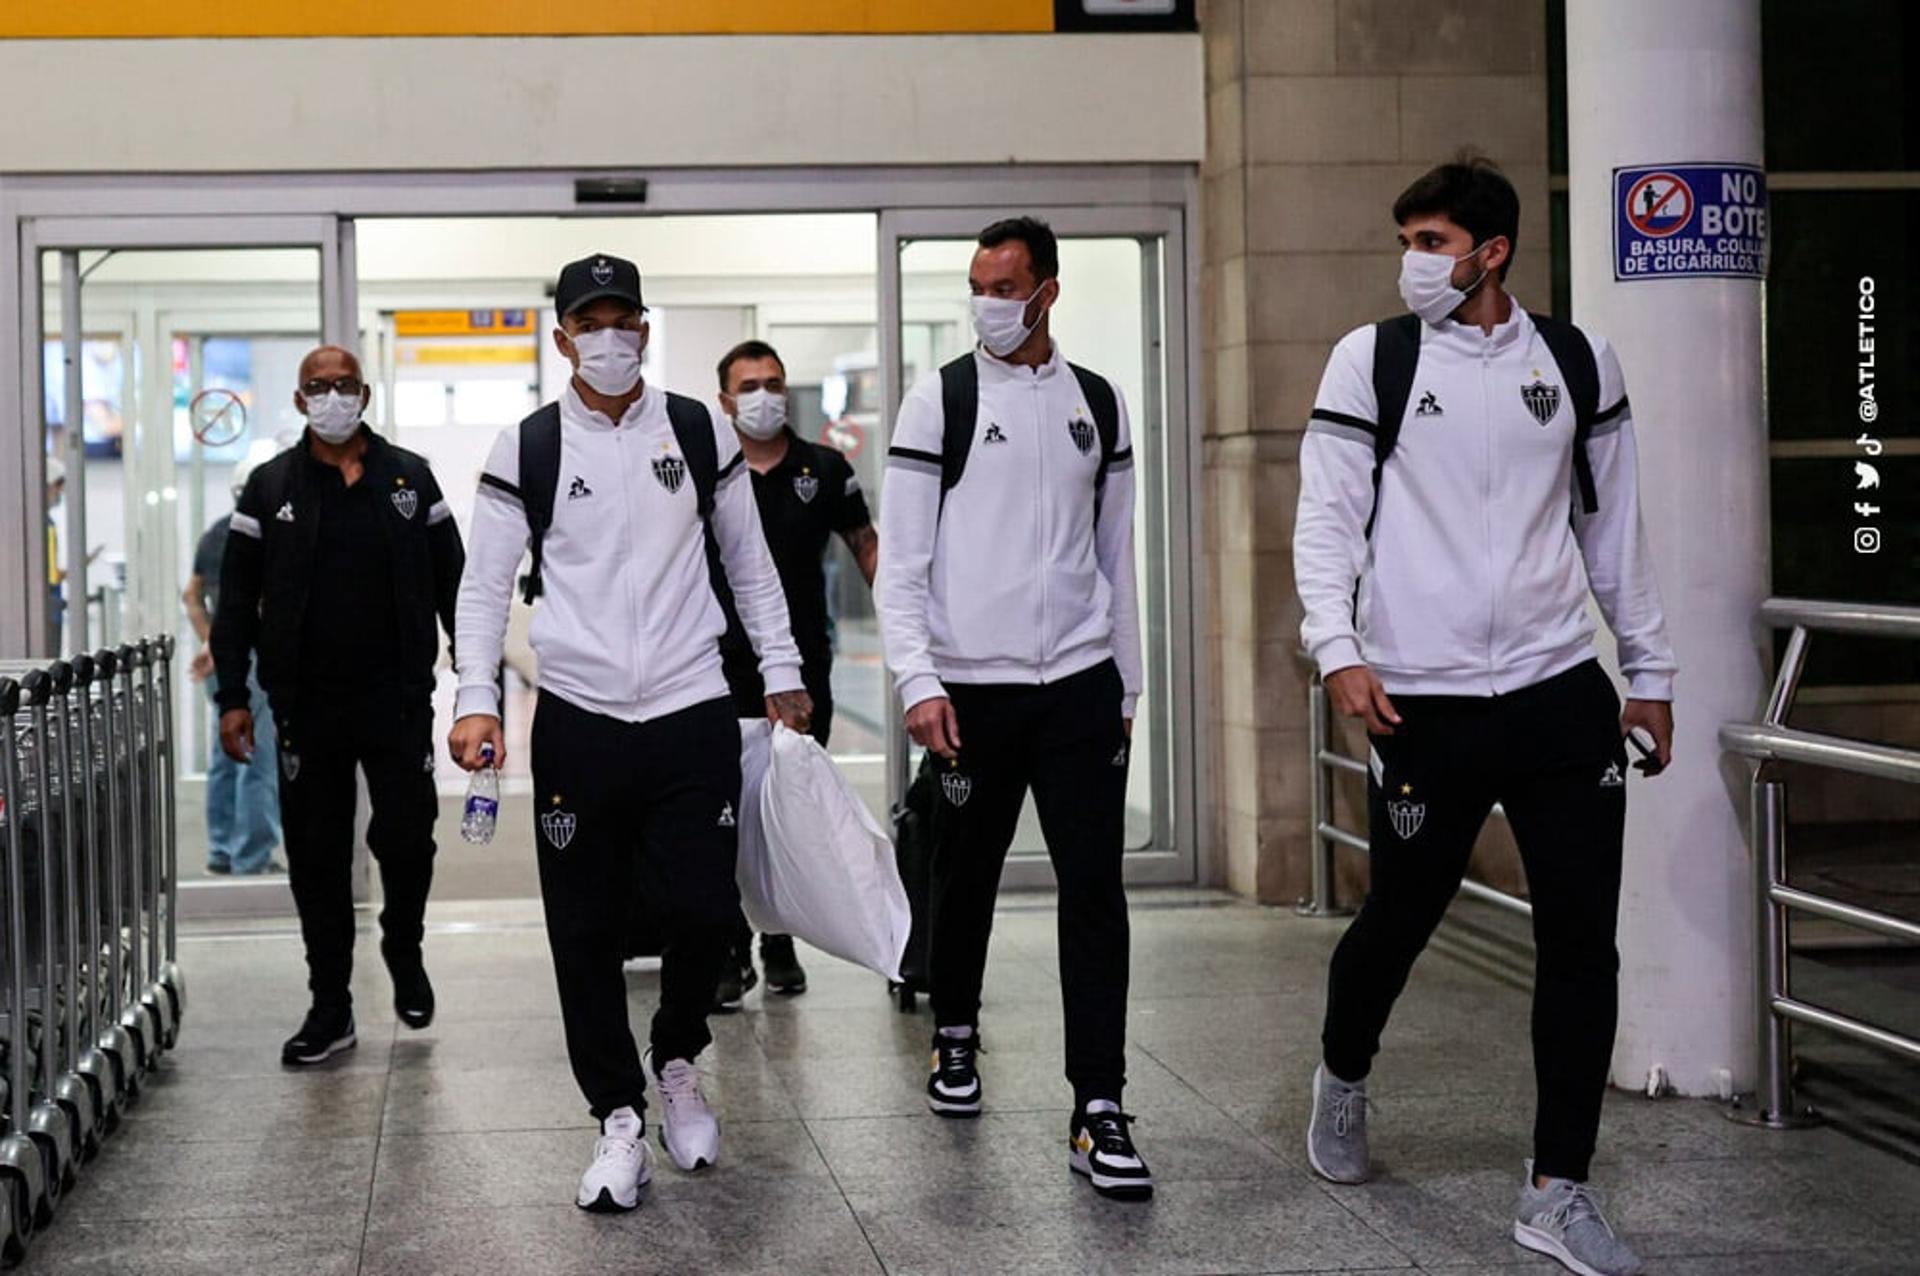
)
(412, 990)
(328, 1030)
(1100, 1147)
(954, 1088)
(784, 974)
(737, 979)
(220, 868)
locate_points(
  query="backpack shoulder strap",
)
(539, 481)
(1574, 354)
(693, 430)
(959, 406)
(1105, 405)
(1396, 354)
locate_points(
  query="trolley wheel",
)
(51, 1177)
(16, 1227)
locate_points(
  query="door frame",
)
(214, 209)
(1172, 853)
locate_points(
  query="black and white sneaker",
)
(326, 1032)
(785, 975)
(412, 990)
(1100, 1146)
(737, 980)
(954, 1088)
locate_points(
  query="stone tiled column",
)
(1319, 113)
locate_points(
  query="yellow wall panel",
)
(108, 19)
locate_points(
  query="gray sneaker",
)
(1337, 1131)
(1563, 1221)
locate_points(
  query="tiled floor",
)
(455, 1150)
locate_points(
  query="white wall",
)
(313, 105)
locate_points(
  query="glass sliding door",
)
(185, 335)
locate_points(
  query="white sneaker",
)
(688, 1129)
(622, 1164)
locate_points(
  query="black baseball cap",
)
(591, 278)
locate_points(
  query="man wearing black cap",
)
(636, 750)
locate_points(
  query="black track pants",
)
(1067, 743)
(1552, 754)
(609, 793)
(324, 736)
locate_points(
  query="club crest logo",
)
(559, 827)
(1407, 817)
(602, 271)
(1542, 400)
(806, 487)
(289, 764)
(1082, 431)
(671, 471)
(957, 787)
(407, 501)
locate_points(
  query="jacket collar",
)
(999, 372)
(1467, 339)
(375, 454)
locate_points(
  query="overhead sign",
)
(1690, 221)
(462, 323)
(123, 19)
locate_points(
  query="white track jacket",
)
(1475, 579)
(1016, 580)
(627, 625)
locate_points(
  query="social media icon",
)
(1868, 476)
(1866, 540)
(1871, 445)
(1866, 509)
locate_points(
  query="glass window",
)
(1839, 87)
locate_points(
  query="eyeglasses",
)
(317, 386)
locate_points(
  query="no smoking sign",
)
(1690, 221)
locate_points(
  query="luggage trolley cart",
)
(144, 756)
(36, 1117)
(95, 1057)
(125, 1035)
(143, 1016)
(160, 732)
(24, 1199)
(48, 692)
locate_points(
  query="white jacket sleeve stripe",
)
(495, 544)
(1336, 497)
(1113, 546)
(1614, 545)
(909, 522)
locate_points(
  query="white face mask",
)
(334, 416)
(609, 359)
(1426, 283)
(1000, 323)
(760, 414)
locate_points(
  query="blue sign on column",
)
(1690, 221)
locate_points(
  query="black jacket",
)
(265, 573)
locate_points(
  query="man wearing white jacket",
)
(1470, 467)
(1008, 611)
(636, 750)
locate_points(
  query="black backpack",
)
(540, 470)
(960, 405)
(1396, 354)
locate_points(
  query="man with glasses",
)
(343, 559)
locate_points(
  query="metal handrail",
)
(1328, 836)
(1765, 745)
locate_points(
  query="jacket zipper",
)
(1486, 506)
(1039, 523)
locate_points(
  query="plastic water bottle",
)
(483, 800)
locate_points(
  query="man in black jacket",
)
(343, 557)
